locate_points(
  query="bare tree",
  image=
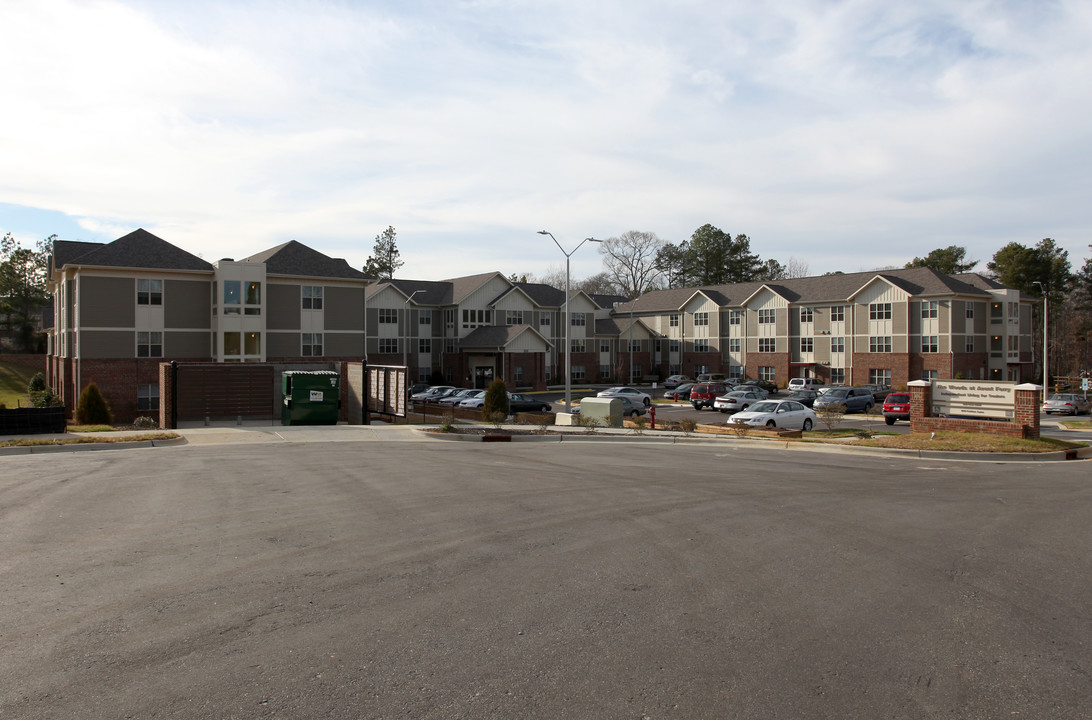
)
(630, 261)
(796, 268)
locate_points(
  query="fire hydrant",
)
(652, 416)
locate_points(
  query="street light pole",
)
(1046, 356)
(568, 320)
(405, 345)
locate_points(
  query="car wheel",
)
(771, 423)
(648, 402)
(634, 414)
(889, 420)
(697, 406)
(868, 407)
(807, 424)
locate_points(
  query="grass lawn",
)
(13, 384)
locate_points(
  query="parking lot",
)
(427, 579)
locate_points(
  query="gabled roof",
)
(543, 295)
(461, 287)
(497, 336)
(138, 249)
(619, 325)
(607, 301)
(428, 292)
(295, 258)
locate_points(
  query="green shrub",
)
(495, 401)
(687, 425)
(92, 408)
(37, 383)
(145, 422)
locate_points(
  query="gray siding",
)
(282, 306)
(187, 304)
(187, 345)
(107, 302)
(282, 344)
(343, 345)
(344, 308)
(97, 344)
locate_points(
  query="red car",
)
(896, 406)
(705, 394)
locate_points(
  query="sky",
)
(846, 135)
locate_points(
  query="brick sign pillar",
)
(166, 393)
(1027, 409)
(921, 404)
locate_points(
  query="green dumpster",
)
(311, 397)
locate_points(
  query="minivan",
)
(805, 383)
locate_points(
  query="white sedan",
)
(626, 392)
(778, 413)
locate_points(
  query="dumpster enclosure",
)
(311, 397)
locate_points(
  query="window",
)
(701, 318)
(767, 344)
(926, 375)
(423, 374)
(253, 298)
(149, 344)
(233, 344)
(449, 345)
(879, 311)
(514, 317)
(929, 309)
(578, 372)
(449, 318)
(735, 317)
(807, 345)
(635, 345)
(837, 376)
(880, 344)
(970, 344)
(233, 297)
(673, 346)
(149, 292)
(252, 343)
(578, 320)
(735, 345)
(765, 317)
(577, 346)
(837, 313)
(930, 344)
(673, 320)
(604, 371)
(604, 346)
(311, 297)
(659, 346)
(388, 345)
(544, 319)
(424, 317)
(805, 315)
(970, 311)
(517, 373)
(424, 346)
(311, 344)
(735, 372)
(878, 376)
(767, 372)
(147, 398)
(837, 344)
(477, 318)
(701, 345)
(388, 316)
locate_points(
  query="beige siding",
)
(107, 302)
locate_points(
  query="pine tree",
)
(385, 258)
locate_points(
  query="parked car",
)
(1067, 403)
(769, 387)
(804, 397)
(855, 399)
(705, 394)
(632, 393)
(778, 413)
(676, 380)
(879, 392)
(755, 388)
(737, 400)
(418, 388)
(896, 406)
(714, 377)
(518, 402)
(802, 383)
(433, 393)
(458, 396)
(630, 407)
(682, 392)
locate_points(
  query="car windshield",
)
(898, 398)
(736, 394)
(1061, 397)
(764, 407)
(836, 393)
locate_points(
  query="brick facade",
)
(1025, 423)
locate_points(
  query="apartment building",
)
(123, 308)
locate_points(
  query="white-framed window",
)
(701, 345)
(837, 376)
(879, 344)
(879, 311)
(233, 297)
(970, 344)
(149, 292)
(544, 319)
(634, 345)
(926, 375)
(449, 317)
(767, 345)
(767, 372)
(673, 346)
(578, 372)
(837, 344)
(514, 317)
(424, 346)
(837, 313)
(929, 309)
(149, 344)
(424, 317)
(701, 318)
(449, 345)
(311, 297)
(930, 343)
(604, 346)
(735, 372)
(673, 320)
(766, 317)
(604, 371)
(806, 315)
(578, 320)
(311, 344)
(388, 316)
(879, 376)
(807, 345)
(517, 373)
(148, 397)
(735, 345)
(388, 345)
(735, 317)
(477, 318)
(577, 346)
(970, 311)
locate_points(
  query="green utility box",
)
(311, 397)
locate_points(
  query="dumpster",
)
(311, 397)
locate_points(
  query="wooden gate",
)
(226, 392)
